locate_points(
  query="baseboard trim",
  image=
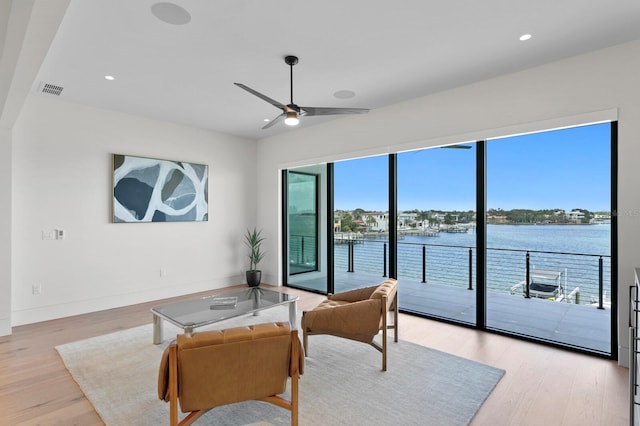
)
(5, 327)
(79, 307)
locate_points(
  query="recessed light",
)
(344, 94)
(171, 13)
(266, 120)
(525, 37)
(109, 77)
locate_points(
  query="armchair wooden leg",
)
(304, 342)
(384, 333)
(173, 385)
(295, 376)
(303, 326)
(395, 318)
(294, 401)
(384, 347)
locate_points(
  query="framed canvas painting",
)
(152, 190)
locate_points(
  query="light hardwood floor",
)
(542, 385)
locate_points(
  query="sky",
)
(564, 169)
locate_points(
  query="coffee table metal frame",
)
(193, 313)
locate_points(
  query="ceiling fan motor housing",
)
(291, 60)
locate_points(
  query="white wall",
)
(5, 231)
(599, 85)
(26, 30)
(62, 179)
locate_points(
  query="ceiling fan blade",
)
(274, 121)
(261, 96)
(332, 111)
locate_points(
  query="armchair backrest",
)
(225, 366)
(387, 288)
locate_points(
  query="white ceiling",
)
(384, 51)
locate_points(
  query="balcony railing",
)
(577, 278)
(302, 253)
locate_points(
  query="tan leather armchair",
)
(205, 370)
(357, 315)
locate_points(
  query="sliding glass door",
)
(436, 232)
(302, 199)
(361, 222)
(515, 234)
(549, 236)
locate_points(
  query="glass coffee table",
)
(194, 313)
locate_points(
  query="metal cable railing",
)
(579, 277)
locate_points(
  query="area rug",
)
(342, 384)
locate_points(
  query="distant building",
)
(407, 219)
(423, 224)
(575, 216)
(376, 221)
(496, 218)
(601, 218)
(442, 216)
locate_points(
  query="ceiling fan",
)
(292, 112)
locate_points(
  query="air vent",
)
(51, 89)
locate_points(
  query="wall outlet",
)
(49, 235)
(163, 272)
(36, 289)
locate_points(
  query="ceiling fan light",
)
(292, 118)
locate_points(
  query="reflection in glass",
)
(303, 222)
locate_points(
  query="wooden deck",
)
(577, 326)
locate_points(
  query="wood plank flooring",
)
(542, 385)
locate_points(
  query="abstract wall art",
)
(152, 190)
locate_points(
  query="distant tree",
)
(448, 219)
(357, 213)
(466, 216)
(520, 216)
(347, 223)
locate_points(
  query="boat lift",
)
(547, 284)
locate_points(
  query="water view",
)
(575, 252)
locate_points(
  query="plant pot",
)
(253, 278)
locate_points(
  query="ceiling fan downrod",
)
(291, 61)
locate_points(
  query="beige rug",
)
(342, 384)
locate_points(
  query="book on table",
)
(223, 303)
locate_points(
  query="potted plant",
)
(253, 240)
